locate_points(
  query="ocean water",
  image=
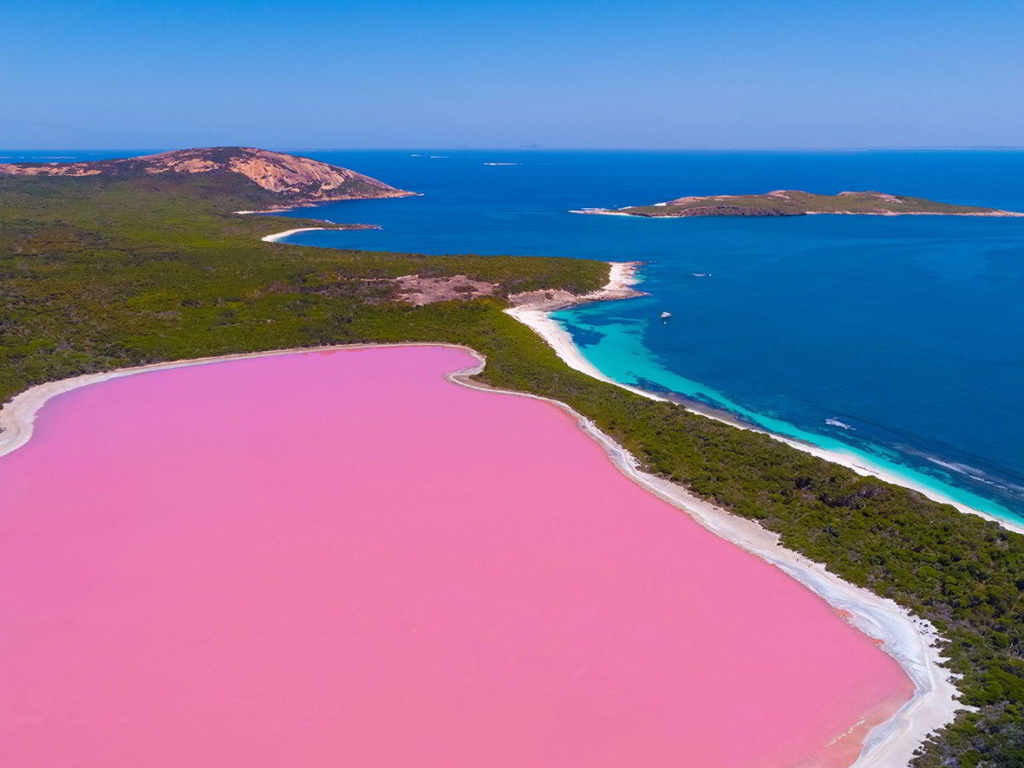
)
(899, 339)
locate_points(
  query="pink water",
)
(343, 559)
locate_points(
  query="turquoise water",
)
(898, 338)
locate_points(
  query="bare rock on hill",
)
(418, 290)
(295, 180)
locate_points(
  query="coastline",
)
(279, 236)
(284, 207)
(911, 641)
(622, 277)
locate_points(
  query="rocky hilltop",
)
(293, 180)
(789, 202)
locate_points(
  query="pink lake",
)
(343, 559)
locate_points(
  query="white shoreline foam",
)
(908, 639)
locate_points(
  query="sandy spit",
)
(908, 639)
(282, 235)
(601, 212)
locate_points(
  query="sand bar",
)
(278, 236)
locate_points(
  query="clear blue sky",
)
(397, 73)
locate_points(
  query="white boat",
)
(666, 315)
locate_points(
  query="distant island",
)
(290, 181)
(789, 202)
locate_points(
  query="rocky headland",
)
(291, 180)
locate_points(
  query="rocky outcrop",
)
(294, 180)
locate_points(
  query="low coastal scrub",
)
(97, 274)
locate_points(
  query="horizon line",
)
(531, 148)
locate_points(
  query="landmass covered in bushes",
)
(100, 272)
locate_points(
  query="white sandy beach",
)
(601, 212)
(282, 235)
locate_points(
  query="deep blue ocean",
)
(898, 338)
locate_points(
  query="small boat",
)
(666, 315)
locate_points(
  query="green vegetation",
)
(100, 273)
(796, 203)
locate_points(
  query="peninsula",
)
(790, 202)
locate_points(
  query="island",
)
(791, 202)
(119, 264)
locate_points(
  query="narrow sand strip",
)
(622, 278)
(278, 236)
(908, 639)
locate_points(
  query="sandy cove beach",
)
(278, 236)
(910, 640)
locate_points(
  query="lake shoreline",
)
(911, 641)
